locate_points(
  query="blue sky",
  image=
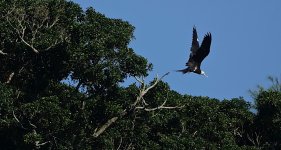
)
(246, 46)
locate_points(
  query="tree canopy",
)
(60, 88)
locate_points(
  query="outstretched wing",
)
(204, 49)
(193, 49)
(195, 43)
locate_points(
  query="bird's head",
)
(203, 73)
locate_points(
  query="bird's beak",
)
(205, 75)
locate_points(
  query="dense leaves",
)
(61, 69)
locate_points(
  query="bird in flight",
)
(198, 53)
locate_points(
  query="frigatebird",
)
(198, 53)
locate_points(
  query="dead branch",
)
(2, 53)
(10, 78)
(20, 21)
(33, 126)
(120, 143)
(143, 90)
(13, 74)
(38, 145)
(1, 50)
(15, 117)
(193, 135)
(105, 126)
(255, 141)
(162, 106)
(236, 132)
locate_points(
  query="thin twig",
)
(120, 143)
(15, 117)
(143, 91)
(2, 53)
(10, 78)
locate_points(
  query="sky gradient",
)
(245, 50)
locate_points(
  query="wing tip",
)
(208, 35)
(194, 27)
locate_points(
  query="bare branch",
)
(1, 50)
(236, 132)
(2, 53)
(38, 145)
(37, 23)
(105, 126)
(15, 117)
(143, 90)
(139, 80)
(83, 105)
(255, 141)
(21, 31)
(54, 22)
(34, 126)
(193, 135)
(160, 107)
(120, 143)
(29, 45)
(10, 78)
(251, 139)
(144, 102)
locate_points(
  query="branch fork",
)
(143, 90)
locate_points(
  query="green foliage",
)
(217, 122)
(6, 106)
(45, 42)
(101, 58)
(30, 26)
(268, 119)
(275, 86)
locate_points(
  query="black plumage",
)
(198, 53)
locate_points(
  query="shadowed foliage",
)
(61, 70)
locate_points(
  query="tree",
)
(265, 132)
(44, 42)
(60, 88)
(35, 36)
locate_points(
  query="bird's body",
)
(198, 53)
